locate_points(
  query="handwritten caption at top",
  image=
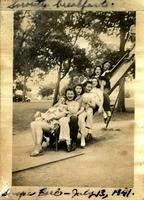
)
(59, 4)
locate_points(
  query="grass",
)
(23, 114)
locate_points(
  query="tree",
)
(51, 40)
(57, 42)
(46, 91)
(125, 23)
(23, 59)
(118, 24)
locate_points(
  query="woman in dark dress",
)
(104, 84)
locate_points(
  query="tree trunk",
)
(24, 89)
(59, 71)
(121, 101)
(122, 40)
(25, 79)
(57, 85)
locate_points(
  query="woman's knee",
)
(81, 122)
(33, 124)
(90, 111)
(64, 120)
(82, 116)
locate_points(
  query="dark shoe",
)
(68, 148)
(82, 147)
(89, 136)
(108, 120)
(73, 147)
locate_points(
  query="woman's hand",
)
(100, 109)
(76, 114)
(106, 72)
(37, 114)
(69, 115)
(72, 114)
(91, 103)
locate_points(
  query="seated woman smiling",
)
(69, 123)
(46, 122)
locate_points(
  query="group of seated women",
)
(74, 112)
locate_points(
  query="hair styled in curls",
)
(80, 85)
(98, 66)
(70, 89)
(98, 82)
(86, 83)
(105, 63)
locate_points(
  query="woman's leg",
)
(73, 124)
(89, 121)
(82, 127)
(107, 108)
(37, 128)
(33, 132)
(64, 129)
(106, 103)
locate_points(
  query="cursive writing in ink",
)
(82, 4)
(16, 4)
(122, 192)
(45, 192)
(100, 193)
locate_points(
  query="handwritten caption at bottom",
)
(74, 193)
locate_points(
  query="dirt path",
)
(107, 162)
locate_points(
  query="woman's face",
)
(106, 66)
(98, 71)
(94, 82)
(88, 87)
(70, 95)
(78, 90)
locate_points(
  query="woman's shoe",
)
(89, 136)
(73, 147)
(83, 143)
(68, 148)
(36, 152)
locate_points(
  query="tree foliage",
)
(45, 91)
(50, 40)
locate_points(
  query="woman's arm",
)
(80, 111)
(102, 85)
(88, 102)
(101, 98)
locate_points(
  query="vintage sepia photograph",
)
(73, 98)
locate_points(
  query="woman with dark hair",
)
(89, 104)
(104, 84)
(90, 98)
(99, 97)
(78, 91)
(82, 116)
(106, 75)
(97, 72)
(107, 65)
(69, 123)
(45, 123)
